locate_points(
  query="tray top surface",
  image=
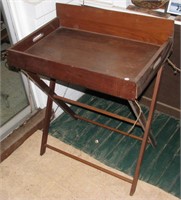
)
(112, 56)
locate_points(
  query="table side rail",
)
(103, 169)
(152, 67)
(130, 26)
(102, 112)
(36, 36)
(94, 109)
(72, 75)
(91, 80)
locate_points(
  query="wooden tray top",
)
(107, 55)
(101, 59)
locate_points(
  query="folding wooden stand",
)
(105, 51)
(60, 101)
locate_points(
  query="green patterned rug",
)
(161, 165)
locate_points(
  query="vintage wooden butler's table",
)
(106, 51)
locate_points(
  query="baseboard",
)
(169, 110)
(18, 136)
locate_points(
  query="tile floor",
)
(26, 175)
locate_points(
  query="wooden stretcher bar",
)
(105, 51)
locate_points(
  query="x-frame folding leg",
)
(49, 90)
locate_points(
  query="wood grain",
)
(130, 26)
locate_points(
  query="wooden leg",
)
(47, 120)
(53, 97)
(146, 133)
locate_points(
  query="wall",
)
(26, 16)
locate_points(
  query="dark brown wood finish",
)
(106, 51)
(169, 94)
(29, 41)
(90, 59)
(73, 75)
(130, 26)
(93, 60)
